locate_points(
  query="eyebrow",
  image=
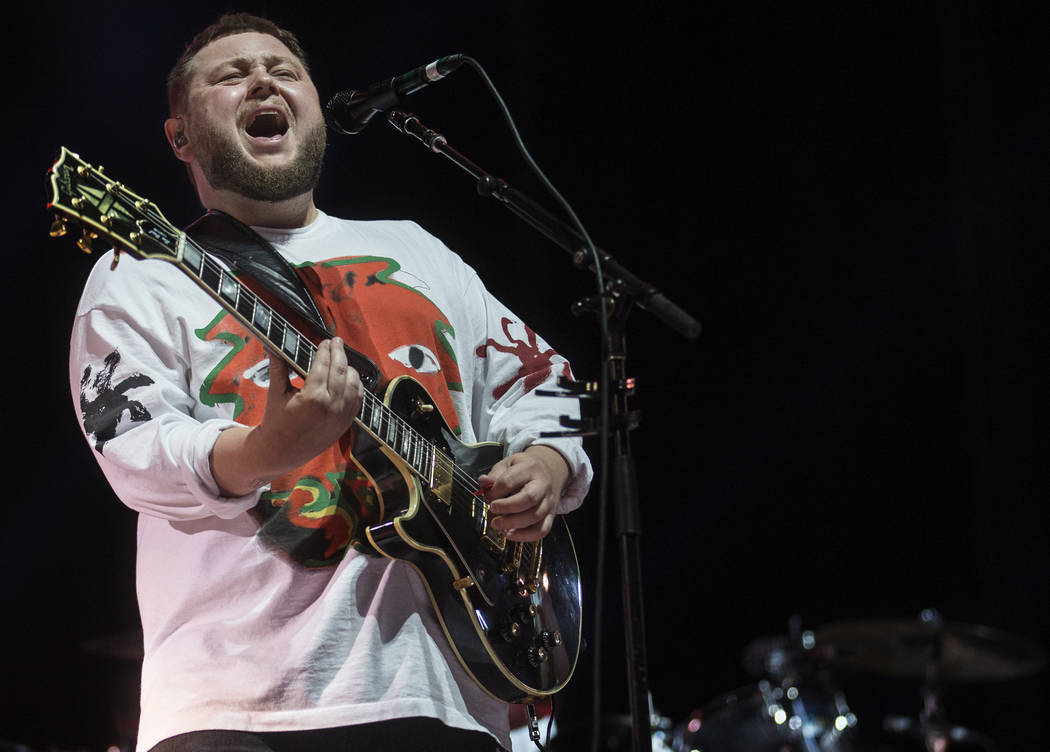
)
(242, 63)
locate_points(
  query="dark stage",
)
(850, 198)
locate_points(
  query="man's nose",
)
(262, 84)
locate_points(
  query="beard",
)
(226, 167)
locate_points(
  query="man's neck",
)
(298, 211)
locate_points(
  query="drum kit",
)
(796, 704)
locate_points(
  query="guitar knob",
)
(510, 631)
(537, 656)
(527, 611)
(550, 639)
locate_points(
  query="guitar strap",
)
(248, 254)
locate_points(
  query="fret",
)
(228, 287)
(276, 331)
(211, 276)
(261, 318)
(416, 447)
(421, 454)
(377, 417)
(246, 304)
(305, 357)
(290, 342)
(192, 259)
(406, 447)
(431, 459)
(366, 409)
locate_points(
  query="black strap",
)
(248, 254)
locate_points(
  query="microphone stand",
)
(624, 290)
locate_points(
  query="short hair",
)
(226, 26)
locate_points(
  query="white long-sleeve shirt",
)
(258, 613)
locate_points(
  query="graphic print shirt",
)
(258, 613)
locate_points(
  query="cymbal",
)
(930, 731)
(911, 648)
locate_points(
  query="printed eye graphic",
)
(259, 374)
(417, 357)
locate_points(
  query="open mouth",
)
(267, 124)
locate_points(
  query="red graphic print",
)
(536, 365)
(314, 514)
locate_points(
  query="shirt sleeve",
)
(511, 365)
(130, 371)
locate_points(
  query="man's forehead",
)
(251, 45)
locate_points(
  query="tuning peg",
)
(85, 240)
(58, 227)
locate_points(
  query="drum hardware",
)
(942, 736)
(794, 706)
(912, 648)
(936, 651)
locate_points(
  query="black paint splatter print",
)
(103, 413)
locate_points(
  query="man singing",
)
(268, 622)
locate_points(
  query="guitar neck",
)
(107, 208)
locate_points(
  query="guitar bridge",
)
(495, 540)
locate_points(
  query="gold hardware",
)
(83, 170)
(116, 259)
(463, 583)
(78, 202)
(84, 242)
(496, 540)
(537, 567)
(419, 408)
(114, 187)
(58, 227)
(107, 219)
(512, 558)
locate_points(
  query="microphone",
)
(348, 112)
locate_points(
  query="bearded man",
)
(268, 622)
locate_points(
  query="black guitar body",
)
(515, 626)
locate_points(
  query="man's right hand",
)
(297, 425)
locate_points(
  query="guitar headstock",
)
(105, 208)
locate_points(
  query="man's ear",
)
(177, 138)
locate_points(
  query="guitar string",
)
(465, 481)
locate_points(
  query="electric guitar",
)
(511, 611)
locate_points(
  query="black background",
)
(851, 199)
